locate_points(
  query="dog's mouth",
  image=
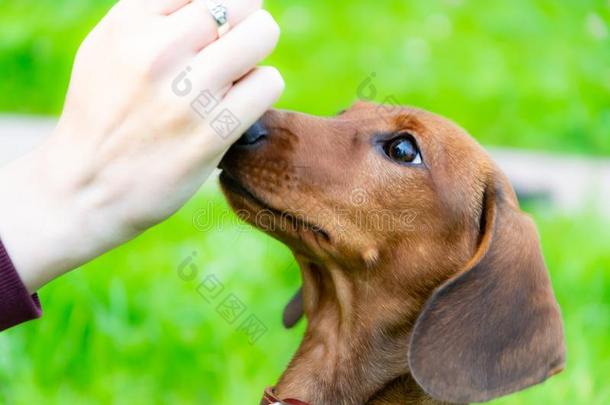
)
(231, 184)
(284, 222)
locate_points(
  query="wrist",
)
(41, 223)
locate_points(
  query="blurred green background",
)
(532, 74)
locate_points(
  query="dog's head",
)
(412, 247)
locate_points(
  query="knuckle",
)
(255, 4)
(268, 23)
(274, 79)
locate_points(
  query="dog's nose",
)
(254, 134)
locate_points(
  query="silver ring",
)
(221, 16)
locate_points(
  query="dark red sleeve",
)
(16, 304)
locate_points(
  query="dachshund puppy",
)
(423, 282)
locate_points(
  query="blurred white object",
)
(570, 183)
(19, 134)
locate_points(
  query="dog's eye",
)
(403, 150)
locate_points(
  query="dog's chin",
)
(279, 223)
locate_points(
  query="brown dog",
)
(423, 282)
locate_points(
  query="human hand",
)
(130, 147)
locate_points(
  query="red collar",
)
(269, 398)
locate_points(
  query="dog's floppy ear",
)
(495, 327)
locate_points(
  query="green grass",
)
(515, 73)
(128, 329)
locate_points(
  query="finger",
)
(163, 7)
(243, 104)
(236, 53)
(195, 27)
